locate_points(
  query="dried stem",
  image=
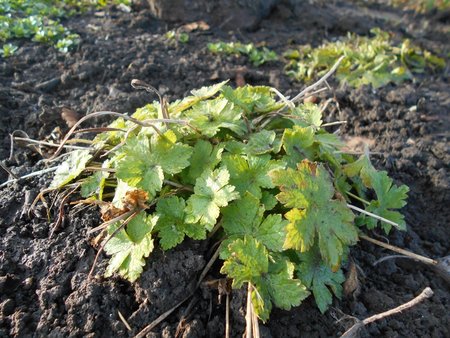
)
(248, 316)
(61, 214)
(207, 267)
(333, 123)
(283, 98)
(227, 316)
(111, 221)
(420, 258)
(138, 84)
(124, 321)
(145, 123)
(318, 83)
(5, 168)
(33, 174)
(158, 320)
(354, 330)
(48, 144)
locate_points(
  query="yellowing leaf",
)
(315, 217)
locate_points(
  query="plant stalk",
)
(417, 257)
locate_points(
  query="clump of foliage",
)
(422, 6)
(263, 175)
(257, 56)
(368, 60)
(40, 20)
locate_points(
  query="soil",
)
(43, 289)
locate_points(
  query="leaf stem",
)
(373, 215)
(357, 198)
(178, 185)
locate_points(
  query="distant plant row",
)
(40, 20)
(375, 60)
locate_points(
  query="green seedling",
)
(257, 56)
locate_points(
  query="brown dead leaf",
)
(311, 99)
(95, 242)
(135, 199)
(109, 211)
(352, 287)
(193, 26)
(69, 116)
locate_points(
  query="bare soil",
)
(42, 279)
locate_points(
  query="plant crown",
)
(265, 176)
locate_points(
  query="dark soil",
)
(43, 289)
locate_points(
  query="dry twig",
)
(353, 332)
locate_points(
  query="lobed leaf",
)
(315, 216)
(319, 278)
(130, 246)
(211, 192)
(71, 168)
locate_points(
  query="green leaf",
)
(207, 92)
(171, 225)
(258, 99)
(388, 195)
(211, 192)
(315, 216)
(94, 184)
(212, 115)
(198, 95)
(142, 164)
(319, 278)
(250, 173)
(71, 168)
(205, 156)
(248, 260)
(298, 144)
(285, 291)
(307, 115)
(268, 200)
(263, 142)
(129, 247)
(244, 217)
